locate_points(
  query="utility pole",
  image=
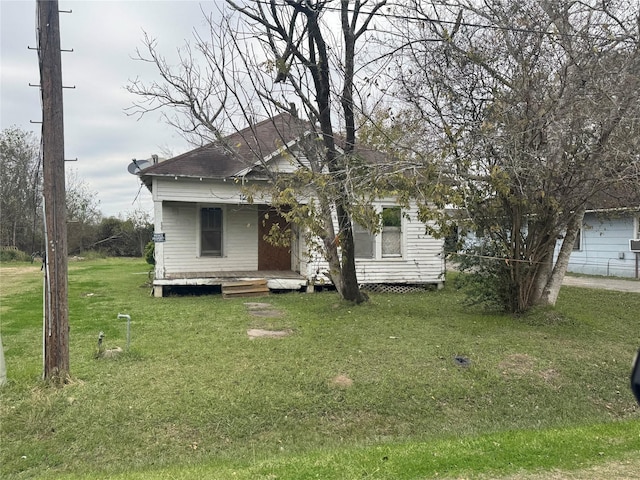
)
(56, 319)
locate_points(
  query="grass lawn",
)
(406, 386)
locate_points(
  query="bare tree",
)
(534, 105)
(266, 57)
(20, 190)
(83, 212)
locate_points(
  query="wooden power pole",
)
(56, 319)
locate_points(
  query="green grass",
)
(195, 398)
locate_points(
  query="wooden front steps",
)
(245, 288)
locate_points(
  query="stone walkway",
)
(265, 310)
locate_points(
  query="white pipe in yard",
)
(3, 366)
(128, 317)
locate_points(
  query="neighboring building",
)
(603, 245)
(208, 233)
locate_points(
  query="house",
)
(208, 233)
(603, 246)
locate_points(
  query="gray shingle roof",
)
(621, 195)
(237, 152)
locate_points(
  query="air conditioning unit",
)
(634, 245)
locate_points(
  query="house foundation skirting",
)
(400, 287)
(276, 280)
(284, 280)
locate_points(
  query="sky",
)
(104, 36)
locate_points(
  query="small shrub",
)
(488, 281)
(149, 253)
(13, 255)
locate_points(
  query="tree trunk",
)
(81, 247)
(552, 288)
(350, 288)
(13, 233)
(330, 242)
(339, 252)
(542, 275)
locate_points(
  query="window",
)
(391, 232)
(211, 232)
(388, 243)
(363, 241)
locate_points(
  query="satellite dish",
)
(137, 165)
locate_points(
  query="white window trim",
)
(377, 239)
(199, 208)
(392, 256)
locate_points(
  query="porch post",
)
(159, 246)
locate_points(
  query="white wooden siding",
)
(180, 224)
(180, 199)
(422, 258)
(197, 191)
(288, 162)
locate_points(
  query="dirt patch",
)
(253, 306)
(341, 381)
(517, 365)
(521, 365)
(265, 310)
(549, 375)
(267, 313)
(261, 333)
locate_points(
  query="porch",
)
(276, 279)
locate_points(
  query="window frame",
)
(223, 229)
(376, 238)
(392, 229)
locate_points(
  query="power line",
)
(626, 264)
(454, 23)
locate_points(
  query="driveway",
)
(606, 283)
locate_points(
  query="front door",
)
(271, 257)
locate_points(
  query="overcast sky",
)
(103, 36)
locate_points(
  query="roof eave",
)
(245, 171)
